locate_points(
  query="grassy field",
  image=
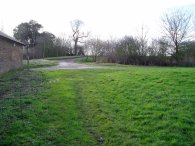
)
(135, 106)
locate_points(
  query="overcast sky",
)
(103, 18)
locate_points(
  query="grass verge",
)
(87, 60)
(36, 63)
(63, 57)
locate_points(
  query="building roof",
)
(2, 34)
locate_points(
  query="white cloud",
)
(102, 17)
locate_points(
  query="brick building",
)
(11, 53)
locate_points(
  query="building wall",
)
(11, 55)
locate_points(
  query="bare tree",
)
(143, 40)
(176, 28)
(96, 47)
(77, 34)
(63, 44)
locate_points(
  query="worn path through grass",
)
(136, 106)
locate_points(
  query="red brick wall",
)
(10, 55)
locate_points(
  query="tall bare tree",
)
(142, 39)
(77, 34)
(95, 47)
(176, 28)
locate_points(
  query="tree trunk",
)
(27, 58)
(75, 46)
(177, 52)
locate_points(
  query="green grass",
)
(37, 110)
(36, 63)
(88, 60)
(136, 106)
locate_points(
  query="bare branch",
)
(77, 34)
(176, 27)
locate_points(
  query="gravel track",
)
(69, 64)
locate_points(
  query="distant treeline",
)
(129, 50)
(174, 47)
(41, 44)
